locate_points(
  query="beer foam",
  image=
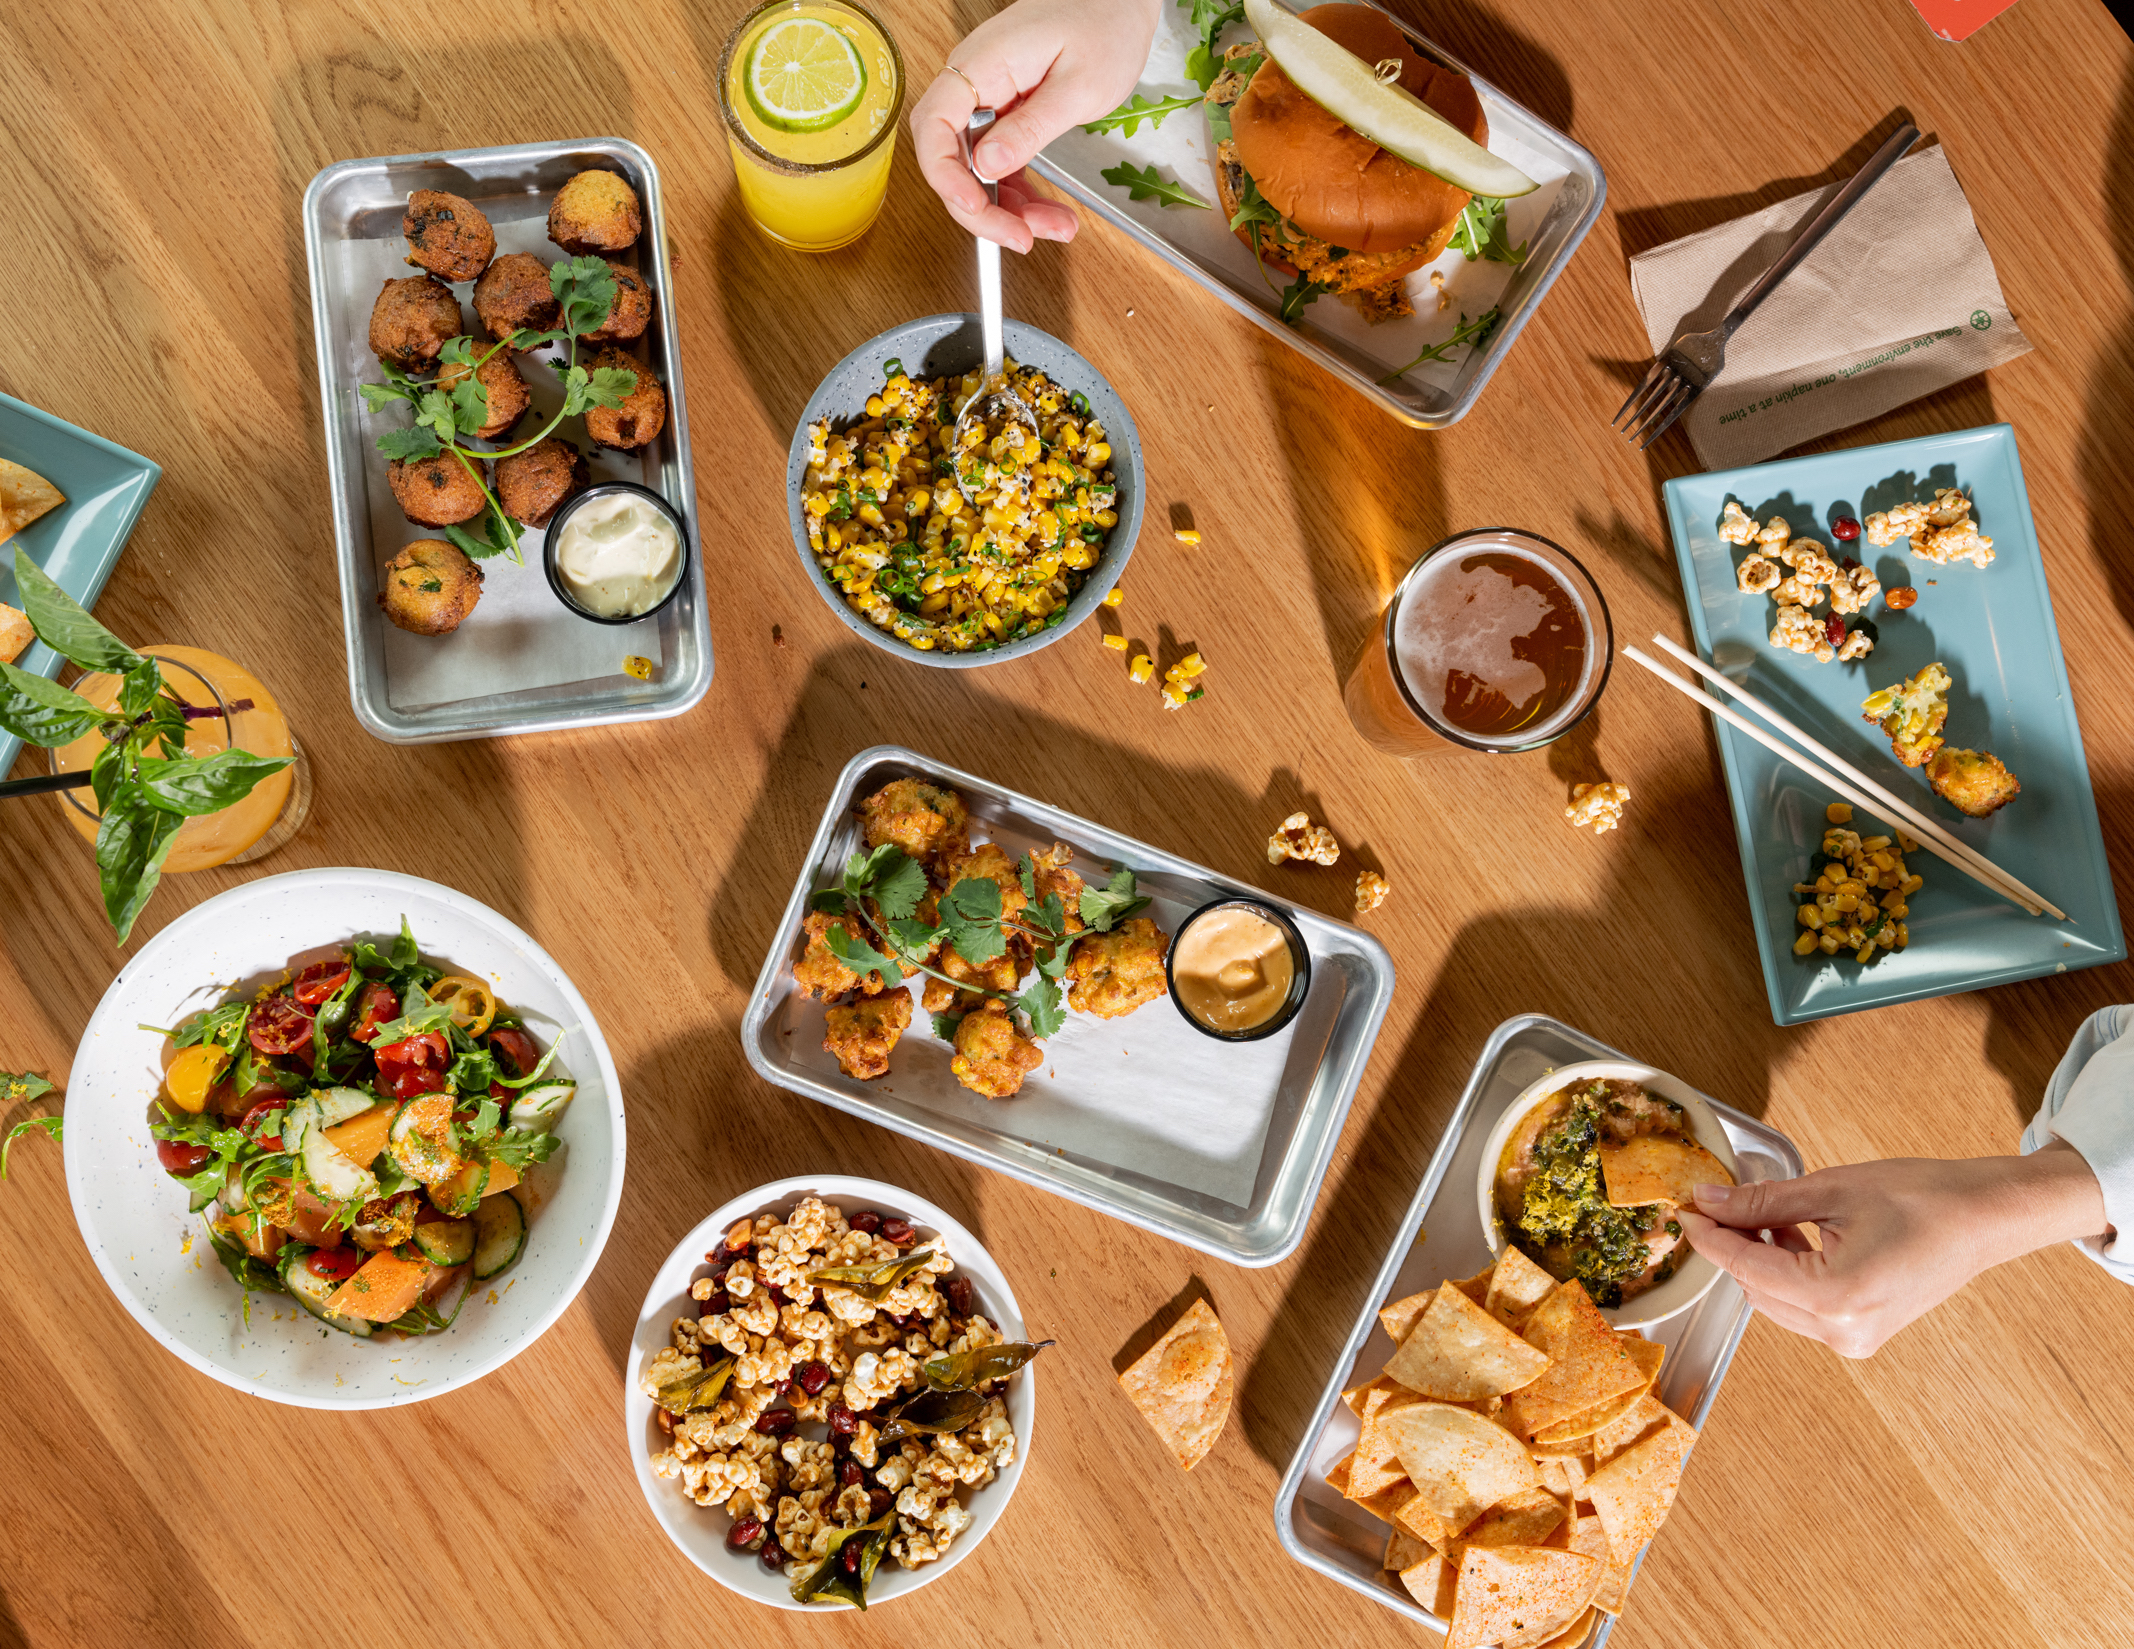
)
(1466, 619)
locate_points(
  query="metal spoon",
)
(994, 399)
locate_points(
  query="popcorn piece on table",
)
(1855, 644)
(1371, 891)
(1598, 805)
(1810, 562)
(1298, 838)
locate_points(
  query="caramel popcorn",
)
(1298, 838)
(1853, 588)
(1756, 574)
(1884, 527)
(1371, 891)
(1802, 632)
(1811, 563)
(1598, 805)
(1775, 532)
(1795, 591)
(1735, 525)
(1960, 542)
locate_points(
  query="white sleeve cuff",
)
(2089, 1104)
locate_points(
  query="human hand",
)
(1045, 65)
(1898, 1237)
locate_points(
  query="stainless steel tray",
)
(1552, 221)
(405, 690)
(1219, 1146)
(1325, 1532)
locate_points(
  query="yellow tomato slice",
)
(196, 1070)
(472, 1003)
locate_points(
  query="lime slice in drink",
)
(801, 75)
(1402, 124)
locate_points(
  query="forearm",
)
(2050, 1196)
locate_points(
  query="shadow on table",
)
(2108, 431)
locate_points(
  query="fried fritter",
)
(1912, 714)
(1003, 973)
(818, 971)
(534, 484)
(429, 588)
(642, 415)
(502, 386)
(435, 491)
(1114, 973)
(930, 823)
(450, 236)
(989, 862)
(928, 911)
(412, 320)
(1053, 876)
(630, 313)
(1973, 781)
(595, 212)
(862, 1034)
(992, 1056)
(514, 292)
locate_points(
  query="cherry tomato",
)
(321, 980)
(498, 1091)
(415, 1065)
(336, 1265)
(375, 1005)
(514, 1050)
(255, 1120)
(179, 1158)
(280, 1026)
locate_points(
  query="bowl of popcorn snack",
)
(829, 1397)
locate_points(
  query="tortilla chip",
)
(1569, 1637)
(1182, 1385)
(1578, 1468)
(1476, 1288)
(1355, 1395)
(1615, 1586)
(1518, 1592)
(1430, 1582)
(1516, 1286)
(1647, 1415)
(16, 633)
(1587, 1363)
(1589, 1534)
(1631, 1494)
(1397, 1317)
(1388, 1505)
(1458, 1351)
(1652, 1168)
(1554, 1478)
(1526, 1519)
(24, 496)
(1375, 1467)
(1405, 1550)
(1648, 1355)
(1460, 1464)
(1337, 1476)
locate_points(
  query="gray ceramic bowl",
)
(940, 346)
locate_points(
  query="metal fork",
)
(1694, 359)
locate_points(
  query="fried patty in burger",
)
(1355, 219)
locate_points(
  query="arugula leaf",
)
(44, 713)
(471, 1073)
(27, 1086)
(520, 1146)
(1203, 66)
(1474, 334)
(192, 785)
(327, 1023)
(404, 951)
(484, 1125)
(1480, 233)
(1041, 1006)
(1254, 207)
(1211, 17)
(133, 839)
(18, 1087)
(63, 625)
(861, 957)
(223, 1026)
(1112, 903)
(1146, 185)
(417, 1014)
(410, 445)
(1295, 296)
(1127, 118)
(531, 1077)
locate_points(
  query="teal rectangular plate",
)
(78, 543)
(1993, 628)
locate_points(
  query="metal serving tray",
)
(1219, 1146)
(403, 689)
(1322, 1530)
(1551, 221)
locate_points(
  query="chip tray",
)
(1230, 1159)
(1325, 1532)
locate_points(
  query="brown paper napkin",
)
(1900, 300)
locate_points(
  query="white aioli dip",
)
(618, 555)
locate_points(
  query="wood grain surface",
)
(1966, 1486)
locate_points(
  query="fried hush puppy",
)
(412, 320)
(992, 1056)
(595, 212)
(503, 389)
(863, 1033)
(642, 415)
(930, 824)
(819, 972)
(534, 484)
(629, 314)
(1972, 781)
(514, 294)
(435, 491)
(1114, 973)
(430, 588)
(448, 235)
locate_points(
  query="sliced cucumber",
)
(458, 1196)
(313, 1291)
(419, 1155)
(333, 1175)
(499, 1234)
(233, 1191)
(337, 1105)
(539, 1109)
(446, 1242)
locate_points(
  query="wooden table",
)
(1968, 1485)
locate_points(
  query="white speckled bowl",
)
(155, 1255)
(700, 1531)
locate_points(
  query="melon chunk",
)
(363, 1135)
(502, 1177)
(382, 1290)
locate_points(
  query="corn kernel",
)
(1810, 917)
(1838, 813)
(1804, 944)
(1866, 953)
(1874, 844)
(1828, 944)
(1116, 643)
(1142, 668)
(1187, 535)
(1905, 844)
(1114, 596)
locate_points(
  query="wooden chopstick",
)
(1821, 775)
(1917, 823)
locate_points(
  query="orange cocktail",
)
(237, 711)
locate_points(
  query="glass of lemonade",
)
(1496, 640)
(237, 711)
(811, 91)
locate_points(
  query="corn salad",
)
(1860, 897)
(893, 531)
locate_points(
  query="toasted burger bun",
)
(1334, 183)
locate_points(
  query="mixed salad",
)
(353, 1135)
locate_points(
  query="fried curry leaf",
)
(1116, 900)
(1144, 184)
(696, 1391)
(873, 1281)
(966, 1370)
(829, 1581)
(1127, 118)
(932, 1411)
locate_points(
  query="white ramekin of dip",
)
(616, 553)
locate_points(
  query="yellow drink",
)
(811, 91)
(242, 830)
